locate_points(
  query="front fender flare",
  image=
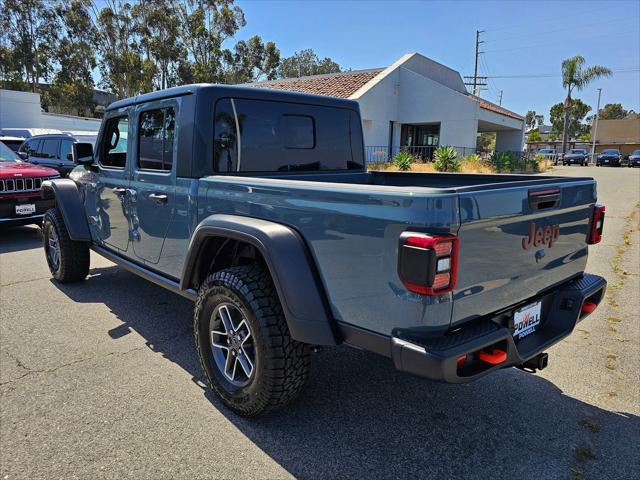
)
(290, 265)
(69, 202)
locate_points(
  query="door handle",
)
(119, 190)
(35, 162)
(159, 198)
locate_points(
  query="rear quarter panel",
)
(352, 234)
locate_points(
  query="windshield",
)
(7, 155)
(578, 151)
(546, 150)
(636, 152)
(610, 152)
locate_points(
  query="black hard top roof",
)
(235, 91)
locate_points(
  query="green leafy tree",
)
(530, 119)
(613, 111)
(205, 25)
(534, 136)
(570, 121)
(30, 28)
(157, 25)
(123, 69)
(251, 61)
(306, 62)
(575, 76)
(486, 142)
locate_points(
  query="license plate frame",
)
(25, 209)
(527, 319)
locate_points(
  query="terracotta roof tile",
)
(492, 107)
(341, 85)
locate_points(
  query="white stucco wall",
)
(404, 96)
(415, 90)
(19, 109)
(509, 140)
(22, 110)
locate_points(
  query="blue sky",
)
(521, 38)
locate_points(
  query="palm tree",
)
(574, 76)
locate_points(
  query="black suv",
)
(50, 150)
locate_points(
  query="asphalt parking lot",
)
(101, 380)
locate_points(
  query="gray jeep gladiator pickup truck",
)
(257, 205)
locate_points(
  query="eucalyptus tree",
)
(205, 25)
(72, 88)
(29, 34)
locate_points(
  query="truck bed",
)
(437, 182)
(351, 223)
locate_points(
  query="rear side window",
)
(49, 148)
(155, 137)
(299, 131)
(114, 142)
(265, 136)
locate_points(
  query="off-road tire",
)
(73, 264)
(281, 363)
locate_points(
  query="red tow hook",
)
(493, 358)
(588, 307)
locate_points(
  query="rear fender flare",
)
(291, 267)
(69, 202)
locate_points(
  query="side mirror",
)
(82, 153)
(23, 155)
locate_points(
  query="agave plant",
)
(403, 161)
(445, 159)
(503, 161)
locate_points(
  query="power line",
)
(541, 20)
(536, 45)
(561, 29)
(552, 75)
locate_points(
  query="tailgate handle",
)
(544, 199)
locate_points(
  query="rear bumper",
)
(437, 358)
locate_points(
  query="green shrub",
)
(403, 161)
(445, 159)
(503, 161)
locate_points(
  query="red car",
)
(20, 199)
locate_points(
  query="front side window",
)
(114, 142)
(30, 147)
(156, 134)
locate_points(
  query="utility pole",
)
(500, 101)
(477, 81)
(475, 68)
(594, 129)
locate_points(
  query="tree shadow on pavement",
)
(14, 239)
(358, 417)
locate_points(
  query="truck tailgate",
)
(516, 242)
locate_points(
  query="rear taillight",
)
(428, 264)
(597, 223)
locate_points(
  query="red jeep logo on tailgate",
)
(541, 236)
